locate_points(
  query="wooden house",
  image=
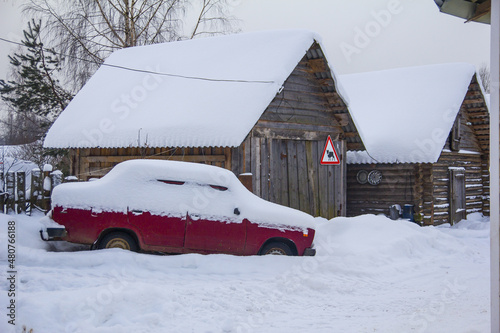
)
(258, 103)
(426, 132)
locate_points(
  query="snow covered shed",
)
(262, 103)
(426, 133)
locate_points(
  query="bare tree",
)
(87, 31)
(484, 76)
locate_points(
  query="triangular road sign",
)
(329, 156)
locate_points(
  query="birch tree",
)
(87, 31)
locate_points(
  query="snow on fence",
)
(18, 197)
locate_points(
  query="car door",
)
(214, 225)
(158, 230)
(156, 213)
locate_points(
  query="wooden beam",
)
(350, 134)
(342, 119)
(474, 93)
(355, 146)
(318, 65)
(228, 158)
(186, 158)
(473, 101)
(477, 109)
(481, 10)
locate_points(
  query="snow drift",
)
(370, 274)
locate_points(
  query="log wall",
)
(474, 188)
(429, 183)
(399, 185)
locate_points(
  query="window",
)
(218, 187)
(171, 182)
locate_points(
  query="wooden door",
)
(457, 195)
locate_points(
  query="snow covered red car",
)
(175, 207)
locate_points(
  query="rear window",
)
(171, 182)
(178, 182)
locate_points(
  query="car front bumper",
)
(52, 234)
(309, 252)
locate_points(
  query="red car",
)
(175, 207)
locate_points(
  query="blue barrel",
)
(408, 212)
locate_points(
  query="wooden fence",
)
(19, 198)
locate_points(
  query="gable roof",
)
(212, 92)
(405, 115)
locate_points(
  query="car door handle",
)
(137, 212)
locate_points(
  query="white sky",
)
(359, 36)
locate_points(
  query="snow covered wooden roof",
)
(209, 92)
(405, 115)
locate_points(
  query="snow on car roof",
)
(140, 185)
(405, 115)
(212, 93)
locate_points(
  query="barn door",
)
(457, 195)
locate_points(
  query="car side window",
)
(172, 182)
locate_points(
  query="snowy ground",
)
(371, 274)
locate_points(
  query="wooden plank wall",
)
(288, 172)
(302, 110)
(396, 187)
(96, 162)
(284, 149)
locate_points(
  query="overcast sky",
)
(359, 36)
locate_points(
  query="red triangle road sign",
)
(329, 156)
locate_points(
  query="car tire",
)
(120, 240)
(277, 248)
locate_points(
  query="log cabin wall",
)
(485, 172)
(431, 182)
(478, 120)
(462, 152)
(424, 194)
(467, 147)
(473, 184)
(400, 185)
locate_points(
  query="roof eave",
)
(473, 11)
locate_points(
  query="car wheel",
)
(277, 248)
(119, 240)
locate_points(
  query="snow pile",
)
(404, 115)
(138, 185)
(397, 239)
(370, 274)
(11, 164)
(213, 92)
